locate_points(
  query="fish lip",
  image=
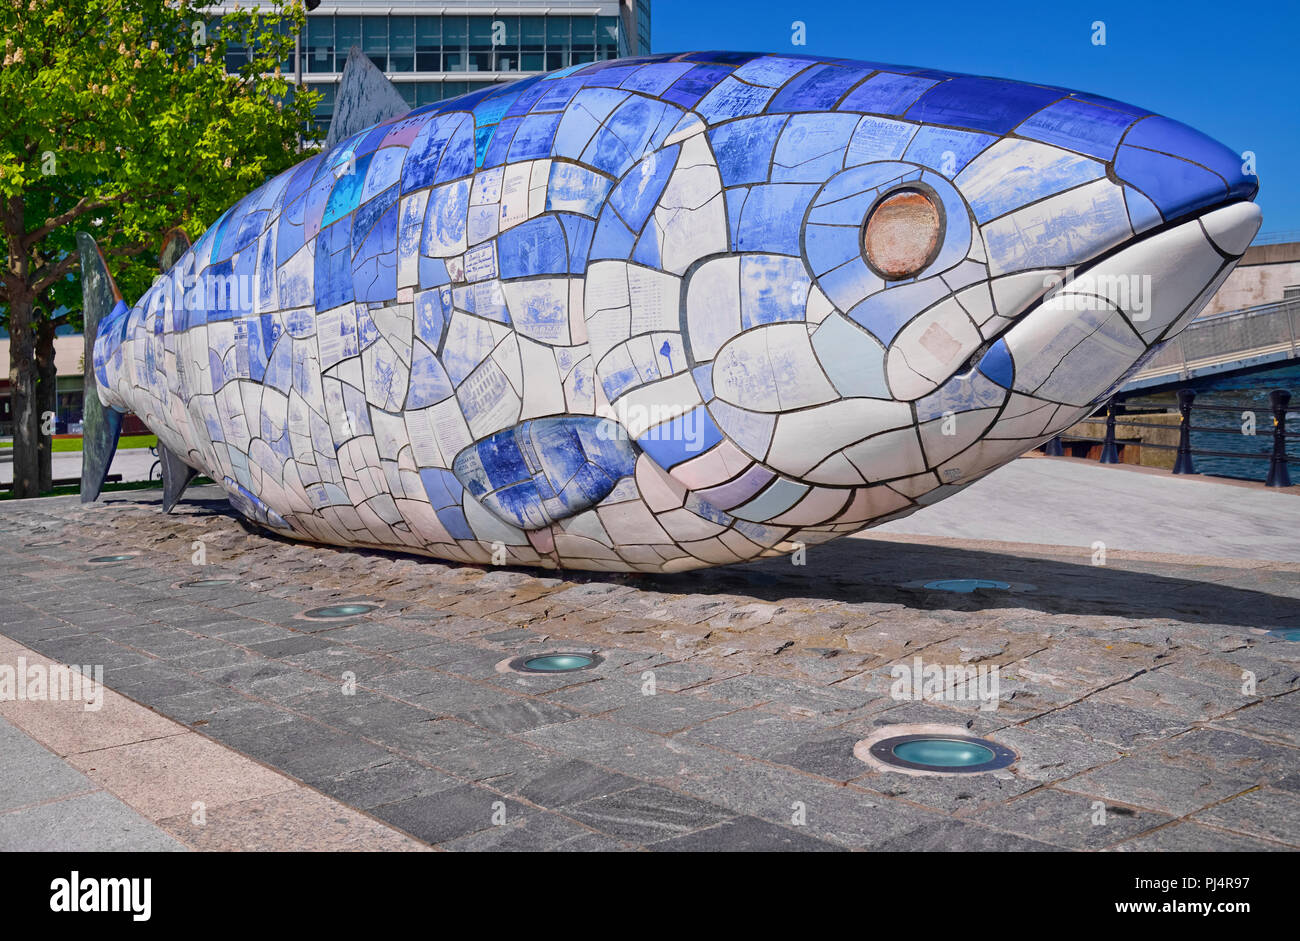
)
(971, 365)
(1076, 271)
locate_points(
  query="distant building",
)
(1266, 273)
(432, 51)
(67, 361)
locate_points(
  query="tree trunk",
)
(22, 391)
(47, 397)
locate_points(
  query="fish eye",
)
(901, 235)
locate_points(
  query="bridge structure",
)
(1234, 341)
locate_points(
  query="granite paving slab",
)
(727, 703)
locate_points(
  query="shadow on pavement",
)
(865, 571)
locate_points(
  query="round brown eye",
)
(902, 234)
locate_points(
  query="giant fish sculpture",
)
(660, 313)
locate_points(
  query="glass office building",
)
(436, 51)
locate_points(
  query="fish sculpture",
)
(667, 312)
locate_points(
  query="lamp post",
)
(297, 46)
(1278, 475)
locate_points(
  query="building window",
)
(607, 45)
(455, 38)
(236, 51)
(505, 33)
(236, 56)
(642, 27)
(480, 44)
(325, 107)
(347, 33)
(374, 40)
(428, 44)
(557, 42)
(532, 43)
(584, 39)
(401, 44)
(319, 48)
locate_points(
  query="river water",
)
(1245, 394)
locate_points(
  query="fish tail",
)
(101, 424)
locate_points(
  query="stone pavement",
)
(1073, 502)
(1152, 700)
(46, 804)
(118, 776)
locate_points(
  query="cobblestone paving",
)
(1149, 704)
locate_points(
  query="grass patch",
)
(74, 444)
(72, 490)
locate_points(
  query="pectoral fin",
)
(176, 475)
(546, 469)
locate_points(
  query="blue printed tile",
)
(744, 148)
(1078, 125)
(772, 218)
(981, 104)
(817, 88)
(887, 93)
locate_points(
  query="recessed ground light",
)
(929, 749)
(947, 753)
(559, 662)
(348, 610)
(43, 545)
(205, 583)
(968, 586)
(111, 558)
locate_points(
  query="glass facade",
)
(643, 26)
(399, 44)
(430, 58)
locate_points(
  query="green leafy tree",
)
(117, 117)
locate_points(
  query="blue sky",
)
(1229, 69)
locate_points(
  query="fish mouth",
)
(1090, 331)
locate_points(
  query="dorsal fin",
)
(101, 424)
(175, 244)
(364, 98)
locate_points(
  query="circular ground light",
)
(950, 754)
(1286, 633)
(112, 558)
(967, 585)
(562, 662)
(44, 545)
(350, 610)
(206, 583)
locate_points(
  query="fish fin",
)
(101, 424)
(546, 469)
(176, 475)
(251, 508)
(175, 244)
(365, 98)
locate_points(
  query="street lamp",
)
(297, 45)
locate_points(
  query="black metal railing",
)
(1278, 474)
